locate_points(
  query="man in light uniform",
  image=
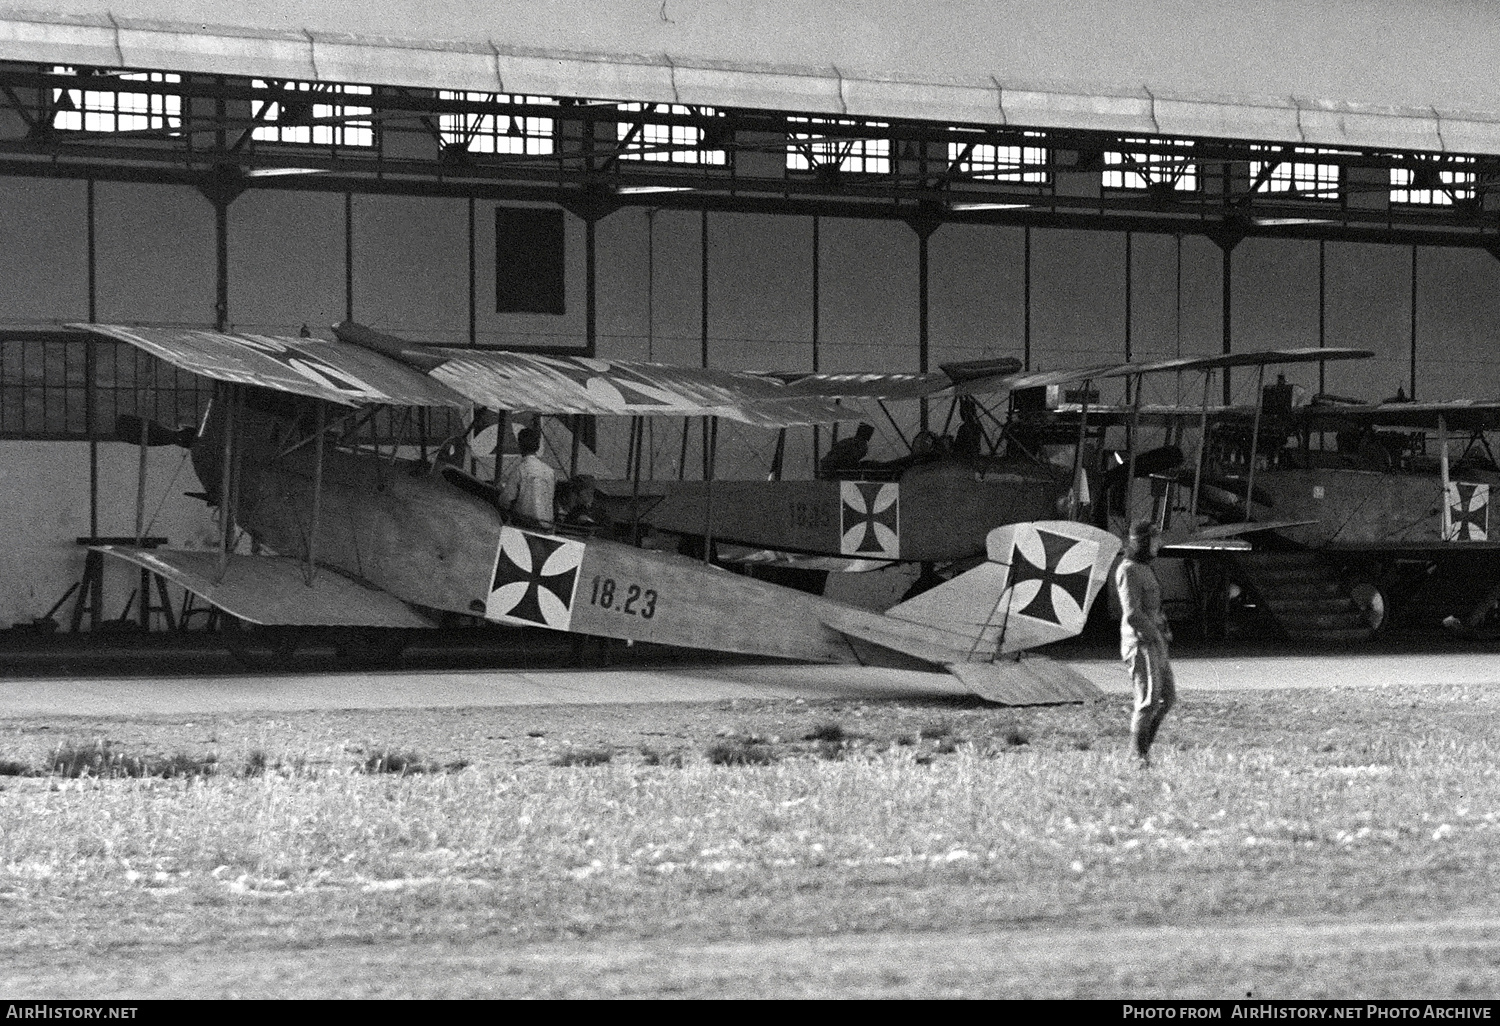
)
(1144, 636)
(529, 486)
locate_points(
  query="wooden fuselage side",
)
(388, 522)
(1357, 507)
(942, 511)
(641, 595)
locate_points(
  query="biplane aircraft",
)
(1376, 520)
(373, 541)
(938, 507)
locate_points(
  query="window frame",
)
(348, 118)
(802, 148)
(1144, 164)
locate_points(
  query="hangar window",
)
(44, 392)
(521, 133)
(297, 116)
(1309, 179)
(674, 143)
(104, 104)
(1150, 167)
(844, 151)
(1432, 182)
(991, 163)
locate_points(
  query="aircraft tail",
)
(1036, 587)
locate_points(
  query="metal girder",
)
(602, 158)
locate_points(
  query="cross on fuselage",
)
(559, 584)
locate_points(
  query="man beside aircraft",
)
(527, 489)
(1144, 636)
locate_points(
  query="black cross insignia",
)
(1468, 519)
(559, 584)
(618, 378)
(864, 521)
(1074, 584)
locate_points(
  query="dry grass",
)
(1365, 804)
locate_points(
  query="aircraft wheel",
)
(370, 648)
(1371, 603)
(259, 648)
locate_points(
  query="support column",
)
(473, 279)
(703, 327)
(922, 338)
(221, 266)
(817, 432)
(1412, 390)
(590, 294)
(1026, 303)
(1225, 308)
(924, 224)
(91, 380)
(1322, 312)
(348, 256)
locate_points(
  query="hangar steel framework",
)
(224, 135)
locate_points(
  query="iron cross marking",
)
(861, 520)
(1074, 584)
(1470, 515)
(559, 584)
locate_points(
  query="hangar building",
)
(767, 184)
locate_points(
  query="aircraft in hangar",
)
(368, 540)
(1374, 531)
(937, 506)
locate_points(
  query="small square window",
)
(668, 143)
(1148, 168)
(299, 114)
(499, 133)
(988, 162)
(808, 151)
(1438, 182)
(102, 104)
(1309, 179)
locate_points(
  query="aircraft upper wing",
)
(1457, 415)
(590, 385)
(365, 367)
(1180, 364)
(336, 371)
(967, 375)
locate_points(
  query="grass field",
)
(1289, 843)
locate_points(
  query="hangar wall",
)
(771, 293)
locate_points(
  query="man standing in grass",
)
(1144, 635)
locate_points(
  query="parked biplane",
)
(1376, 521)
(370, 540)
(938, 506)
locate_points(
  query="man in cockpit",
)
(529, 486)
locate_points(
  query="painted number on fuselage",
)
(627, 599)
(809, 514)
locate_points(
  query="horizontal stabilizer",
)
(1029, 680)
(272, 591)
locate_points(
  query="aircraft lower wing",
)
(272, 591)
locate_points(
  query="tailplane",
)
(1036, 587)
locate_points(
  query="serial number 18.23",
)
(631, 600)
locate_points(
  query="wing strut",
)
(1083, 419)
(1446, 520)
(317, 496)
(1260, 401)
(1208, 379)
(230, 395)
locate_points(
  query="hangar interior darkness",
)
(751, 237)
